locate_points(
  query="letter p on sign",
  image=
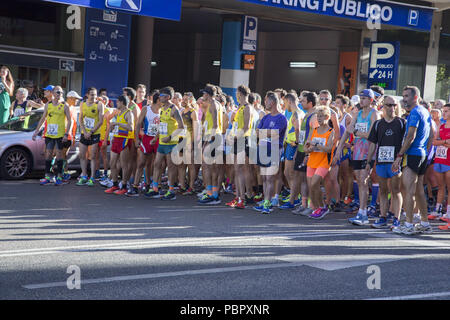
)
(376, 54)
(250, 25)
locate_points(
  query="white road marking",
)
(172, 242)
(167, 274)
(416, 296)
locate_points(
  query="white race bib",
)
(89, 123)
(19, 111)
(52, 129)
(163, 128)
(320, 141)
(152, 130)
(386, 154)
(301, 136)
(441, 152)
(116, 129)
(361, 127)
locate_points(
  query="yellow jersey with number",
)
(90, 117)
(56, 121)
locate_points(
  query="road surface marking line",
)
(166, 274)
(415, 296)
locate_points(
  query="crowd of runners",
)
(371, 156)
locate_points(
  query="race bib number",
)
(386, 154)
(153, 130)
(301, 137)
(361, 127)
(52, 129)
(441, 152)
(163, 128)
(89, 123)
(319, 141)
(18, 112)
(116, 129)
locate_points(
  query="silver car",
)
(19, 154)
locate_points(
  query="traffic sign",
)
(128, 5)
(383, 64)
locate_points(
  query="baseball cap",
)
(355, 99)
(73, 94)
(367, 93)
(49, 87)
(376, 94)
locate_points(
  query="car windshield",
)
(27, 122)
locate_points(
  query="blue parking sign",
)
(129, 5)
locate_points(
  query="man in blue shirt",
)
(413, 157)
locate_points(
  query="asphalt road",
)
(137, 248)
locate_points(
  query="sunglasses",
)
(389, 104)
(163, 95)
(59, 92)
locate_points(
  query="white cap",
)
(73, 94)
(355, 99)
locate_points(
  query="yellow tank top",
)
(290, 132)
(121, 132)
(238, 123)
(167, 125)
(106, 115)
(208, 124)
(56, 121)
(90, 117)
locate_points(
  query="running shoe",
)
(229, 189)
(286, 199)
(121, 192)
(445, 218)
(169, 196)
(287, 206)
(58, 181)
(90, 182)
(372, 212)
(103, 178)
(133, 192)
(395, 223)
(66, 177)
(446, 227)
(106, 183)
(381, 223)
(188, 192)
(348, 200)
(259, 208)
(390, 216)
(275, 202)
(112, 189)
(82, 181)
(258, 197)
(416, 218)
(403, 229)
(152, 194)
(419, 228)
(249, 200)
(232, 203)
(45, 181)
(320, 215)
(285, 193)
(359, 220)
(202, 194)
(435, 215)
(97, 175)
(240, 205)
(298, 209)
(306, 212)
(206, 199)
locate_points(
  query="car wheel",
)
(15, 164)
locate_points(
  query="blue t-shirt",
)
(419, 118)
(275, 122)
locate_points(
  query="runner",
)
(212, 140)
(442, 168)
(102, 149)
(141, 91)
(292, 142)
(418, 140)
(360, 126)
(147, 147)
(319, 146)
(170, 126)
(239, 138)
(73, 99)
(272, 127)
(56, 112)
(343, 160)
(134, 108)
(309, 102)
(122, 128)
(386, 139)
(91, 119)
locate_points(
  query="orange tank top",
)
(318, 158)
